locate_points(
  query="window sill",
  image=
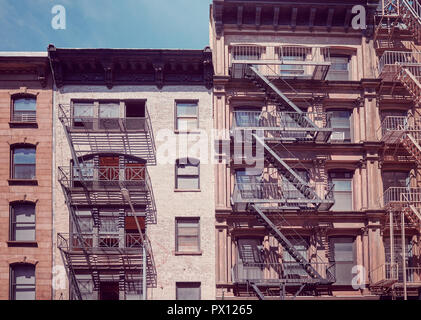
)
(177, 253)
(17, 124)
(22, 182)
(32, 244)
(187, 190)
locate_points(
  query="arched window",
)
(187, 174)
(24, 108)
(23, 158)
(22, 221)
(22, 281)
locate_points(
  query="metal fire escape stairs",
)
(67, 254)
(310, 196)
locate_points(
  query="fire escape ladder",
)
(256, 289)
(411, 83)
(413, 215)
(277, 96)
(71, 274)
(295, 254)
(412, 146)
(288, 172)
(411, 16)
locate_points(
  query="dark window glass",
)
(188, 290)
(22, 222)
(22, 278)
(23, 163)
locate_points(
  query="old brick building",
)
(325, 204)
(139, 221)
(26, 162)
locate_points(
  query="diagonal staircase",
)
(411, 15)
(278, 235)
(277, 97)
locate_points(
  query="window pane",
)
(111, 110)
(24, 171)
(340, 63)
(188, 291)
(188, 170)
(342, 185)
(343, 249)
(188, 183)
(341, 119)
(186, 109)
(83, 110)
(23, 223)
(24, 156)
(188, 235)
(25, 104)
(23, 282)
(187, 124)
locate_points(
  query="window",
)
(248, 183)
(187, 116)
(187, 235)
(292, 268)
(24, 109)
(23, 163)
(85, 285)
(295, 54)
(188, 291)
(109, 114)
(249, 259)
(83, 113)
(398, 179)
(22, 222)
(339, 70)
(342, 254)
(342, 190)
(22, 282)
(341, 125)
(187, 174)
(247, 117)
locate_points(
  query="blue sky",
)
(25, 25)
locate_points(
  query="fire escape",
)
(400, 65)
(273, 131)
(107, 253)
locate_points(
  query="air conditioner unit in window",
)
(337, 136)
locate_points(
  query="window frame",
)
(179, 285)
(12, 279)
(351, 129)
(12, 161)
(339, 72)
(19, 96)
(351, 179)
(12, 223)
(188, 162)
(176, 117)
(186, 220)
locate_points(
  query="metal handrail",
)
(70, 242)
(281, 191)
(395, 59)
(104, 174)
(276, 119)
(97, 123)
(399, 195)
(384, 272)
(287, 270)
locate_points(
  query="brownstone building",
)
(25, 184)
(330, 112)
